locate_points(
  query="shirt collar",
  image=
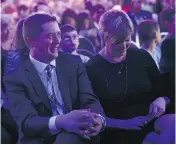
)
(40, 66)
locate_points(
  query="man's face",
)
(46, 46)
(98, 14)
(118, 49)
(136, 5)
(70, 41)
(23, 13)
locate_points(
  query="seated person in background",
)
(149, 37)
(42, 7)
(7, 33)
(23, 12)
(96, 12)
(49, 94)
(70, 41)
(165, 19)
(18, 52)
(87, 29)
(168, 44)
(137, 15)
(69, 16)
(126, 81)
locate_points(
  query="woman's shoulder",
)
(95, 61)
(138, 53)
(140, 56)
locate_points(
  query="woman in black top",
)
(127, 82)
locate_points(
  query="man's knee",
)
(68, 138)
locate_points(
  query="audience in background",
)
(70, 41)
(69, 17)
(96, 13)
(87, 29)
(9, 132)
(23, 12)
(167, 4)
(7, 33)
(19, 51)
(137, 15)
(149, 37)
(166, 20)
(42, 7)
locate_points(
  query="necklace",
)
(120, 70)
(104, 56)
(126, 78)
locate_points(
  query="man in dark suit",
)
(50, 96)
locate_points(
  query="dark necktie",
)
(56, 105)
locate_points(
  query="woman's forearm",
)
(114, 123)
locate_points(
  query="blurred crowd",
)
(85, 14)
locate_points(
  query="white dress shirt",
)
(40, 67)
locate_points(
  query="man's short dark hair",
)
(38, 4)
(32, 24)
(22, 7)
(67, 28)
(147, 30)
(68, 13)
(167, 15)
(98, 8)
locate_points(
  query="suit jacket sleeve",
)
(88, 100)
(22, 109)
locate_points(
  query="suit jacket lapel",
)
(37, 83)
(63, 82)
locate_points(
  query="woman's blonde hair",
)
(115, 25)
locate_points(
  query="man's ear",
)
(30, 42)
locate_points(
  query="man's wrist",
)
(52, 125)
(103, 122)
(59, 122)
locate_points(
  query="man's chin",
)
(54, 55)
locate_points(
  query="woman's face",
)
(118, 48)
